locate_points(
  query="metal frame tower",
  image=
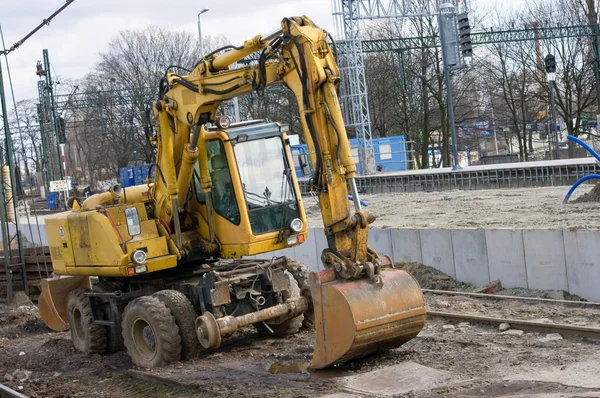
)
(354, 97)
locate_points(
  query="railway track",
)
(527, 325)
(6, 392)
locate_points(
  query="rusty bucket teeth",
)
(53, 300)
(357, 318)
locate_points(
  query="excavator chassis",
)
(352, 318)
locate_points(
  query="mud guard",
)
(53, 300)
(355, 318)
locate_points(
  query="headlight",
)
(138, 256)
(133, 221)
(296, 225)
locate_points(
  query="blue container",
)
(127, 178)
(390, 153)
(135, 175)
(53, 199)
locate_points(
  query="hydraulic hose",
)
(581, 180)
(584, 178)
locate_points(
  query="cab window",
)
(223, 195)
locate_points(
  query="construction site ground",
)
(490, 208)
(448, 359)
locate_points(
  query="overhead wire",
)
(34, 31)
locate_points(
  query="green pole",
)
(597, 64)
(52, 131)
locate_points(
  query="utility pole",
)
(8, 197)
(550, 63)
(450, 58)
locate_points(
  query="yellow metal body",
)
(360, 307)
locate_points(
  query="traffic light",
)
(550, 63)
(464, 31)
(62, 136)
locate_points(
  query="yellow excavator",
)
(174, 260)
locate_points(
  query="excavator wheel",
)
(150, 333)
(185, 317)
(287, 327)
(114, 334)
(87, 337)
(300, 273)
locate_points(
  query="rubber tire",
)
(87, 337)
(114, 334)
(165, 330)
(289, 327)
(185, 317)
(300, 273)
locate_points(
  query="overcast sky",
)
(83, 29)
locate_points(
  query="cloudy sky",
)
(83, 29)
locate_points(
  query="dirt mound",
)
(592, 196)
(429, 277)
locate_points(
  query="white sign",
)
(58, 186)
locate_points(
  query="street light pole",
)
(553, 114)
(550, 64)
(200, 28)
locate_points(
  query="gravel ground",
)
(493, 208)
(481, 360)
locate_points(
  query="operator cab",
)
(253, 182)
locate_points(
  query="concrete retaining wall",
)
(535, 259)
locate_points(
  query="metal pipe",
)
(355, 198)
(175, 209)
(230, 324)
(210, 330)
(200, 29)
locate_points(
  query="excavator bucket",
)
(357, 318)
(53, 300)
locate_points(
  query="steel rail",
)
(528, 326)
(582, 304)
(6, 392)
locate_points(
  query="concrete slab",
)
(399, 379)
(545, 259)
(406, 245)
(307, 253)
(582, 253)
(506, 257)
(320, 244)
(436, 250)
(380, 240)
(470, 256)
(579, 374)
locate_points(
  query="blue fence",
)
(390, 153)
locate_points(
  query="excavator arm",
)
(300, 57)
(361, 303)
